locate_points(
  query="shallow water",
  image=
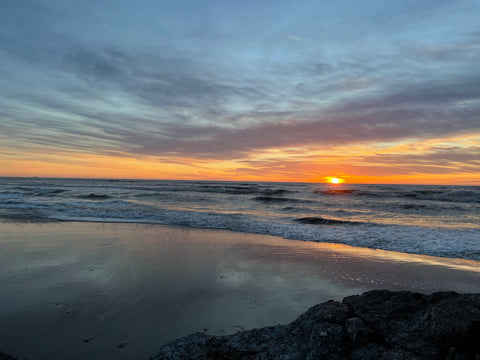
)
(119, 291)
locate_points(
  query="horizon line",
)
(465, 183)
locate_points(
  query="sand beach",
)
(73, 290)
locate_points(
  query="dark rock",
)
(4, 356)
(357, 331)
(376, 325)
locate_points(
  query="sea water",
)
(422, 219)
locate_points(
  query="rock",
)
(4, 356)
(379, 324)
(357, 331)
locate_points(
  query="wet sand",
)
(119, 291)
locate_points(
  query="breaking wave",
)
(324, 221)
(467, 196)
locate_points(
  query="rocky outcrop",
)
(379, 324)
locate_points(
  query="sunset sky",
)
(367, 91)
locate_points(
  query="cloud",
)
(352, 83)
(93, 66)
(419, 112)
(455, 52)
(431, 161)
(169, 80)
(214, 96)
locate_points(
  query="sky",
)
(369, 91)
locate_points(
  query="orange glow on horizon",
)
(294, 165)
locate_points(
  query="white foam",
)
(410, 239)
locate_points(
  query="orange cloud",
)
(452, 160)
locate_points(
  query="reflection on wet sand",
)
(118, 291)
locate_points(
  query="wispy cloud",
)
(205, 90)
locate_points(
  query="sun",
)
(334, 180)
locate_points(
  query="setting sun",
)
(334, 180)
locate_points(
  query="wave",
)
(277, 192)
(274, 200)
(448, 195)
(224, 187)
(336, 192)
(468, 196)
(419, 207)
(38, 191)
(11, 194)
(269, 199)
(215, 189)
(24, 216)
(94, 196)
(296, 209)
(388, 237)
(238, 189)
(325, 221)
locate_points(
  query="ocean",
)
(421, 219)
